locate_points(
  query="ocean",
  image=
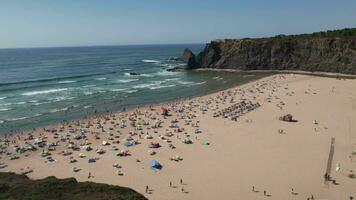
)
(42, 86)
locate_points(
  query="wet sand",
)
(258, 150)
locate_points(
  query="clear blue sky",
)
(41, 23)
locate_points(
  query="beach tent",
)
(155, 165)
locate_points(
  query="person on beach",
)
(170, 183)
(146, 188)
(253, 188)
(89, 175)
(181, 181)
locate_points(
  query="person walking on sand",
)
(253, 188)
(181, 181)
(170, 183)
(264, 193)
(146, 188)
(89, 175)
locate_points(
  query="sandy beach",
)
(225, 145)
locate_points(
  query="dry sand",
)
(249, 152)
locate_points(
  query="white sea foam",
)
(85, 107)
(61, 98)
(201, 83)
(147, 75)
(146, 85)
(100, 79)
(150, 61)
(185, 82)
(2, 98)
(127, 80)
(167, 73)
(44, 91)
(64, 82)
(88, 93)
(20, 103)
(127, 69)
(131, 91)
(117, 90)
(58, 110)
(161, 86)
(172, 79)
(4, 109)
(16, 119)
(40, 103)
(86, 86)
(1, 121)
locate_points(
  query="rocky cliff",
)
(332, 51)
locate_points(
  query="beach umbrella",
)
(155, 164)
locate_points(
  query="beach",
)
(229, 144)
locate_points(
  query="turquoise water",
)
(48, 85)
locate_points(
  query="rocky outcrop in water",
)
(332, 51)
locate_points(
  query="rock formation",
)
(332, 51)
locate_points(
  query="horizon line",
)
(98, 45)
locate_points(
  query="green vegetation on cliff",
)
(346, 32)
(19, 187)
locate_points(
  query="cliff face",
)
(323, 54)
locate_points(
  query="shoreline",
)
(322, 74)
(134, 107)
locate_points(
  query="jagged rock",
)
(189, 58)
(314, 52)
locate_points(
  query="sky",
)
(53, 23)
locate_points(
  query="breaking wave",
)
(44, 91)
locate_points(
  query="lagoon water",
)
(42, 86)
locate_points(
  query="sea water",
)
(41, 86)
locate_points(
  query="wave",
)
(61, 98)
(127, 69)
(16, 119)
(58, 110)
(65, 82)
(4, 109)
(161, 86)
(150, 61)
(117, 90)
(146, 85)
(100, 79)
(127, 80)
(86, 86)
(20, 103)
(88, 93)
(1, 121)
(131, 91)
(172, 79)
(2, 98)
(44, 91)
(58, 78)
(201, 83)
(40, 103)
(147, 75)
(185, 82)
(167, 73)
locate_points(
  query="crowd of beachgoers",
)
(152, 137)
